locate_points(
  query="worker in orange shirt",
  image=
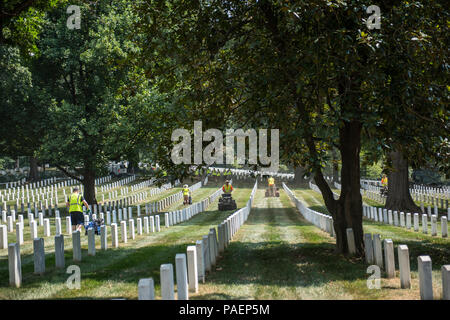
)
(227, 187)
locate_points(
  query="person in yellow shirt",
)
(384, 185)
(384, 181)
(271, 182)
(75, 205)
(186, 193)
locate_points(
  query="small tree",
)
(84, 72)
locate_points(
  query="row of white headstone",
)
(435, 200)
(435, 196)
(445, 190)
(416, 187)
(13, 183)
(118, 183)
(48, 194)
(248, 173)
(172, 218)
(51, 184)
(378, 198)
(337, 186)
(199, 259)
(320, 220)
(151, 224)
(393, 218)
(41, 183)
(315, 188)
(374, 195)
(374, 255)
(139, 197)
(147, 225)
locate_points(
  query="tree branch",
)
(325, 189)
(67, 173)
(19, 8)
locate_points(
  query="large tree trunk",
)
(335, 166)
(34, 173)
(299, 174)
(398, 197)
(347, 211)
(131, 166)
(89, 187)
(204, 173)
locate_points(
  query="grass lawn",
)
(437, 248)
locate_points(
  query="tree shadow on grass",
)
(276, 263)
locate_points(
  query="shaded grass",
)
(437, 248)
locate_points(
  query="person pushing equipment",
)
(75, 205)
(384, 185)
(271, 182)
(186, 194)
(226, 202)
(227, 187)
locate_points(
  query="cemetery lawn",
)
(113, 273)
(437, 248)
(278, 255)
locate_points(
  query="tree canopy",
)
(311, 68)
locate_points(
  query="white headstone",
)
(389, 258)
(192, 268)
(424, 223)
(59, 251)
(39, 255)
(3, 237)
(146, 289)
(114, 235)
(68, 225)
(76, 245)
(378, 250)
(403, 264)
(351, 241)
(167, 284)
(19, 233)
(416, 222)
(444, 228)
(446, 282)
(46, 227)
(200, 261)
(425, 277)
(123, 229)
(368, 247)
(15, 265)
(181, 271)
